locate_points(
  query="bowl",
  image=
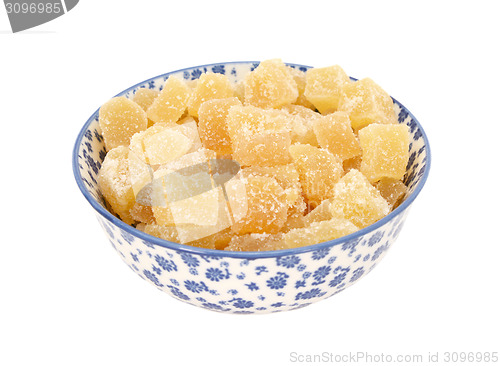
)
(247, 282)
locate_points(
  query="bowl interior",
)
(89, 153)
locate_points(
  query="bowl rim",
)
(251, 254)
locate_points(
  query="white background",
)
(68, 299)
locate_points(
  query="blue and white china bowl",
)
(246, 282)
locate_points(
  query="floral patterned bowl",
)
(246, 282)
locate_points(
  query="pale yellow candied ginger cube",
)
(393, 190)
(322, 212)
(256, 243)
(239, 90)
(270, 85)
(258, 136)
(385, 151)
(142, 213)
(165, 146)
(366, 102)
(300, 79)
(287, 177)
(210, 86)
(144, 97)
(119, 119)
(114, 183)
(335, 134)
(165, 232)
(220, 240)
(358, 200)
(323, 87)
(318, 169)
(301, 124)
(318, 232)
(265, 207)
(170, 105)
(212, 124)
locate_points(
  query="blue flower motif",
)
(252, 286)
(134, 257)
(315, 292)
(320, 254)
(241, 303)
(195, 74)
(351, 246)
(301, 267)
(240, 276)
(185, 75)
(299, 284)
(151, 276)
(129, 238)
(321, 273)
(89, 146)
(166, 264)
(212, 306)
(97, 135)
(215, 274)
(88, 135)
(157, 270)
(151, 84)
(375, 238)
(277, 282)
(379, 251)
(195, 287)
(174, 281)
(402, 115)
(332, 259)
(219, 69)
(102, 155)
(178, 293)
(190, 260)
(288, 262)
(277, 304)
(260, 269)
(341, 274)
(357, 274)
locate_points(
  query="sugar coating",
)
(358, 200)
(366, 102)
(119, 119)
(304, 176)
(170, 105)
(286, 176)
(392, 190)
(266, 208)
(212, 124)
(210, 86)
(114, 182)
(144, 97)
(322, 212)
(300, 79)
(259, 136)
(318, 169)
(385, 151)
(318, 232)
(256, 243)
(323, 87)
(335, 134)
(270, 85)
(142, 213)
(301, 125)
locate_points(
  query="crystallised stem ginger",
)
(279, 159)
